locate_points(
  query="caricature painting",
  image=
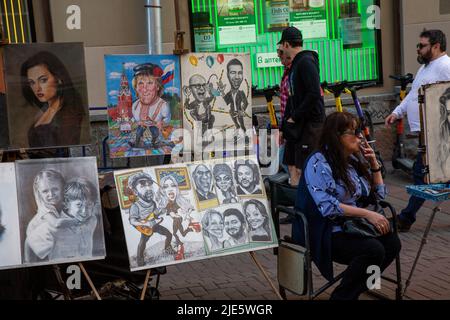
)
(205, 191)
(260, 224)
(144, 108)
(436, 129)
(225, 227)
(161, 226)
(217, 101)
(10, 253)
(176, 215)
(59, 211)
(248, 178)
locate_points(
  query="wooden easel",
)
(255, 261)
(12, 156)
(265, 275)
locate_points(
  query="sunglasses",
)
(356, 132)
(421, 45)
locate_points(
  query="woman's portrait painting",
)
(436, 118)
(46, 95)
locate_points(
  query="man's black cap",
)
(291, 34)
(149, 69)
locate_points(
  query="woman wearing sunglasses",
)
(337, 178)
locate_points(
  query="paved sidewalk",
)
(236, 277)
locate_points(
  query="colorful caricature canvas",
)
(45, 103)
(192, 211)
(144, 110)
(217, 101)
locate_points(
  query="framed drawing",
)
(10, 251)
(46, 96)
(217, 100)
(59, 211)
(180, 174)
(163, 226)
(435, 121)
(144, 107)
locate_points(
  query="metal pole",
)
(154, 29)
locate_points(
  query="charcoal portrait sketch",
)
(10, 252)
(436, 124)
(60, 211)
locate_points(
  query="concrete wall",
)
(417, 15)
(107, 27)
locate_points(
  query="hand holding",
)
(379, 221)
(390, 119)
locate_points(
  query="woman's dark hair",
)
(66, 90)
(330, 146)
(262, 209)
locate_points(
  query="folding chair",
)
(295, 262)
(281, 193)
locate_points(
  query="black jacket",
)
(305, 103)
(320, 229)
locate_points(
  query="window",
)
(15, 21)
(343, 32)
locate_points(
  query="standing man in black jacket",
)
(305, 110)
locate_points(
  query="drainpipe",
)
(154, 29)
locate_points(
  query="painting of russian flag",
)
(144, 104)
(168, 74)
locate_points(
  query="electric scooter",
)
(399, 158)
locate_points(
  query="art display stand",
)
(266, 276)
(423, 193)
(12, 156)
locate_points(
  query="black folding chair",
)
(295, 262)
(281, 193)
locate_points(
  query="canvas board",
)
(436, 131)
(59, 211)
(45, 103)
(217, 101)
(191, 211)
(10, 252)
(144, 104)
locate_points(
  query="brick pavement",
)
(237, 278)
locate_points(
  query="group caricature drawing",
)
(163, 226)
(216, 97)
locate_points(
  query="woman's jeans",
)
(359, 253)
(415, 203)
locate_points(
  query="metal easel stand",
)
(422, 243)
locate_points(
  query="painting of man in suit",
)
(235, 98)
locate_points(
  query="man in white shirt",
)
(431, 51)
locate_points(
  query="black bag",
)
(361, 226)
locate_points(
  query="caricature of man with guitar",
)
(144, 214)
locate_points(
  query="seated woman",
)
(335, 179)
